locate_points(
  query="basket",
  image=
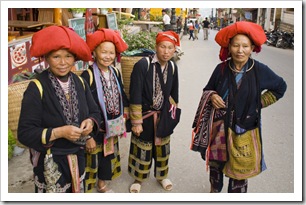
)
(127, 64)
(15, 95)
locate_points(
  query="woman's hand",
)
(137, 129)
(87, 126)
(91, 145)
(69, 132)
(217, 101)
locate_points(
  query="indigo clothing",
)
(101, 164)
(244, 96)
(39, 115)
(144, 149)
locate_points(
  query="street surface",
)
(187, 169)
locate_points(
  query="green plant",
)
(11, 143)
(124, 21)
(77, 10)
(142, 39)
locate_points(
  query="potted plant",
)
(77, 12)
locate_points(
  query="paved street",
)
(187, 169)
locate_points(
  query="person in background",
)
(102, 151)
(196, 29)
(58, 113)
(191, 30)
(238, 89)
(205, 25)
(147, 96)
(166, 20)
(179, 25)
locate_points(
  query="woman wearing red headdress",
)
(103, 157)
(227, 125)
(58, 113)
(154, 81)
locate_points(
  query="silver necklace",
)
(240, 71)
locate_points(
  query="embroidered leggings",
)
(216, 180)
(141, 156)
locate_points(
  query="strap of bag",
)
(40, 88)
(81, 79)
(90, 76)
(173, 68)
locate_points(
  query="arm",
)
(94, 111)
(30, 129)
(136, 89)
(272, 85)
(175, 86)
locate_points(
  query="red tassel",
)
(257, 49)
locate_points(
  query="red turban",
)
(54, 38)
(170, 36)
(252, 30)
(95, 39)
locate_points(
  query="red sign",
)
(19, 59)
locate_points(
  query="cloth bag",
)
(116, 126)
(168, 120)
(244, 154)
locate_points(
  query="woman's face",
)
(240, 48)
(105, 54)
(165, 51)
(60, 62)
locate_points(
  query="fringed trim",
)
(141, 144)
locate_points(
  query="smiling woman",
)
(58, 113)
(107, 89)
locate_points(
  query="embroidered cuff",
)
(45, 137)
(267, 98)
(136, 114)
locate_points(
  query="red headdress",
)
(252, 30)
(168, 36)
(102, 35)
(54, 38)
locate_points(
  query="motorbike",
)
(285, 40)
(272, 38)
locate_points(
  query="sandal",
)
(104, 189)
(166, 184)
(135, 188)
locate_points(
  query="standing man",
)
(205, 25)
(166, 20)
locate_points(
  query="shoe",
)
(104, 189)
(135, 187)
(166, 184)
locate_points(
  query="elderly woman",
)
(227, 125)
(103, 157)
(154, 82)
(58, 113)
